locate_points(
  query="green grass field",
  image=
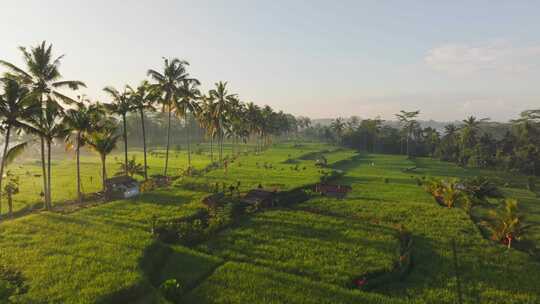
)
(309, 252)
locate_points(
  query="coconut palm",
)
(173, 76)
(409, 124)
(506, 224)
(338, 125)
(103, 142)
(16, 103)
(254, 120)
(143, 98)
(49, 125)
(121, 105)
(222, 98)
(43, 78)
(207, 120)
(188, 93)
(81, 121)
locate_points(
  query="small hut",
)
(121, 187)
(338, 191)
(263, 197)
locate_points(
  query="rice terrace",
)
(274, 171)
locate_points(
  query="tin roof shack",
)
(121, 187)
(338, 191)
(262, 197)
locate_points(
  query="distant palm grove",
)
(473, 142)
(36, 103)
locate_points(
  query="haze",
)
(313, 58)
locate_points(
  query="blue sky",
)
(315, 58)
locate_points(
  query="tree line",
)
(474, 142)
(34, 102)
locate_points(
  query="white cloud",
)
(498, 56)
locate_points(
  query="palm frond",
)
(14, 152)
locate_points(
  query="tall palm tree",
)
(42, 76)
(49, 125)
(104, 142)
(174, 74)
(469, 132)
(254, 120)
(81, 121)
(142, 99)
(121, 105)
(338, 125)
(408, 123)
(207, 119)
(187, 103)
(222, 97)
(16, 103)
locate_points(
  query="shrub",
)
(171, 290)
(506, 224)
(481, 187)
(11, 283)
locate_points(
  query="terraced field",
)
(309, 252)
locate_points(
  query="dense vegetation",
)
(473, 142)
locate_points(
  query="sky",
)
(321, 59)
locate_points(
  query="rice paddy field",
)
(307, 252)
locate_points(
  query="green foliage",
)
(507, 225)
(171, 289)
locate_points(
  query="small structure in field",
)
(121, 187)
(213, 201)
(338, 191)
(262, 197)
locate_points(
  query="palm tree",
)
(207, 120)
(506, 224)
(120, 106)
(15, 104)
(254, 120)
(81, 121)
(338, 125)
(104, 142)
(42, 76)
(187, 103)
(469, 135)
(174, 74)
(222, 97)
(408, 123)
(142, 99)
(49, 125)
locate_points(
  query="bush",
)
(481, 188)
(11, 283)
(171, 290)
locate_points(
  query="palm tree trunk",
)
(144, 143)
(168, 141)
(49, 173)
(44, 172)
(188, 130)
(211, 147)
(3, 164)
(103, 173)
(10, 205)
(125, 145)
(78, 152)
